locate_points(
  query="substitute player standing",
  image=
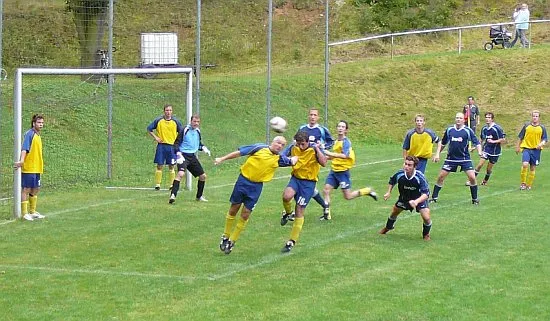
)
(532, 138)
(413, 195)
(31, 162)
(458, 138)
(167, 129)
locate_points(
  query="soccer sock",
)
(319, 199)
(24, 207)
(473, 192)
(229, 222)
(296, 229)
(476, 172)
(158, 177)
(287, 206)
(33, 199)
(365, 191)
(524, 171)
(426, 228)
(172, 175)
(238, 229)
(175, 187)
(435, 194)
(487, 175)
(200, 188)
(390, 223)
(530, 178)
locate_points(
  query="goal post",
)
(18, 109)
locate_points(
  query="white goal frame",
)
(18, 108)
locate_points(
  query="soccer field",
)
(128, 255)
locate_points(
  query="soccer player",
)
(186, 146)
(343, 158)
(31, 163)
(493, 136)
(419, 142)
(320, 135)
(471, 114)
(167, 128)
(532, 138)
(458, 137)
(413, 195)
(302, 182)
(258, 168)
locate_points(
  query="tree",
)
(90, 18)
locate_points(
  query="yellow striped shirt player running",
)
(258, 169)
(301, 187)
(532, 138)
(31, 162)
(343, 159)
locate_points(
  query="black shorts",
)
(192, 164)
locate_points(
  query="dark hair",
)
(167, 105)
(35, 118)
(301, 137)
(491, 114)
(471, 97)
(345, 122)
(413, 159)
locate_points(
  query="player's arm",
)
(329, 141)
(234, 154)
(388, 192)
(151, 130)
(440, 147)
(521, 136)
(321, 157)
(544, 138)
(414, 203)
(21, 159)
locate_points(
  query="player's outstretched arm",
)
(219, 160)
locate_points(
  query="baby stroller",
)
(499, 36)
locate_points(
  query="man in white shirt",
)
(521, 18)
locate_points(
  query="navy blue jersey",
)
(492, 132)
(318, 133)
(410, 188)
(458, 140)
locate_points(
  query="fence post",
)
(459, 41)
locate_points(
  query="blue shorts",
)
(404, 204)
(165, 155)
(246, 192)
(532, 156)
(492, 159)
(339, 179)
(30, 180)
(465, 165)
(304, 190)
(421, 167)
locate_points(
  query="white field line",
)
(268, 259)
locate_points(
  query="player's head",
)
(168, 109)
(470, 100)
(535, 116)
(195, 121)
(419, 120)
(302, 140)
(459, 119)
(313, 116)
(410, 164)
(489, 117)
(277, 145)
(37, 121)
(342, 127)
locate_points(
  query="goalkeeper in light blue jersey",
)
(258, 169)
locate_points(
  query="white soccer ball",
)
(278, 124)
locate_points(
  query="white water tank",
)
(159, 48)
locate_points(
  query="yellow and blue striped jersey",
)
(261, 163)
(308, 166)
(32, 144)
(531, 135)
(420, 144)
(167, 130)
(343, 164)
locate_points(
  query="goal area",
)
(95, 123)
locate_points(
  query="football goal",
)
(95, 123)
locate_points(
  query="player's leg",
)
(159, 161)
(422, 163)
(25, 200)
(390, 222)
(535, 159)
(176, 183)
(304, 193)
(345, 184)
(426, 223)
(525, 159)
(229, 224)
(195, 168)
(33, 201)
(327, 189)
(172, 174)
(439, 183)
(473, 185)
(489, 170)
(288, 195)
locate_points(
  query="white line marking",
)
(268, 259)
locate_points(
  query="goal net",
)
(95, 129)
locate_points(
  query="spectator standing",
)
(521, 18)
(471, 114)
